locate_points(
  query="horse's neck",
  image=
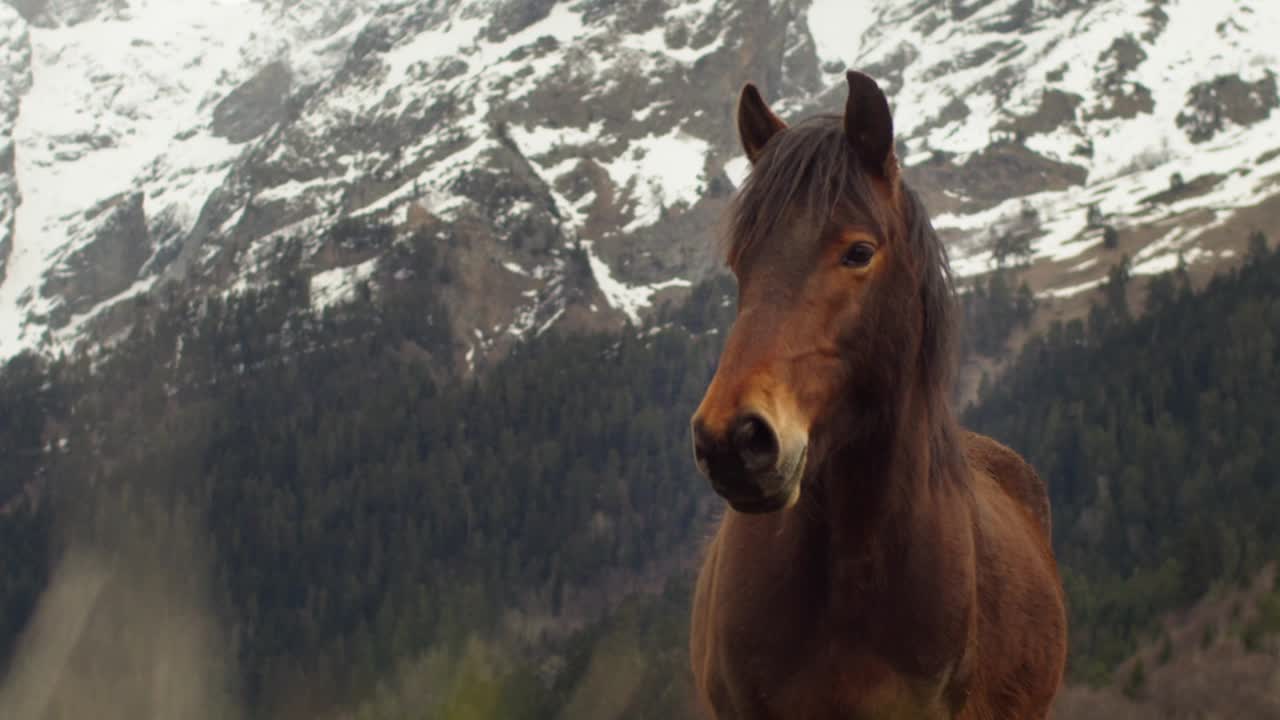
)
(895, 512)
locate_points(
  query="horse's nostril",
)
(756, 443)
(701, 445)
(700, 457)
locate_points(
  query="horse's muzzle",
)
(748, 464)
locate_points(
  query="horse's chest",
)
(830, 684)
(815, 676)
(788, 640)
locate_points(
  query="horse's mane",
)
(811, 165)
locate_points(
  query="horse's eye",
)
(858, 255)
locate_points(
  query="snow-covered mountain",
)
(572, 157)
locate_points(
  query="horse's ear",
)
(756, 122)
(869, 125)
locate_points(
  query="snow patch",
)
(660, 171)
(1071, 290)
(1162, 263)
(654, 42)
(738, 169)
(537, 141)
(630, 299)
(837, 27)
(337, 286)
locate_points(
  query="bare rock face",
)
(15, 58)
(255, 106)
(52, 13)
(106, 265)
(1119, 96)
(28, 9)
(997, 173)
(512, 16)
(1057, 108)
(1211, 105)
(8, 203)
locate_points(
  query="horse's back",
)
(1022, 623)
(1013, 473)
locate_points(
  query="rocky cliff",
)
(580, 152)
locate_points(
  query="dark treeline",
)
(1160, 441)
(362, 506)
(993, 308)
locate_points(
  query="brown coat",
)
(876, 560)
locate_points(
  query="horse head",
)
(844, 300)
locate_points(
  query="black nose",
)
(755, 442)
(749, 448)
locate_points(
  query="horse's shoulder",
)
(1014, 474)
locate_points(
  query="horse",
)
(875, 559)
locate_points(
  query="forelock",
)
(809, 167)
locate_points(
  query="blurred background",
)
(349, 346)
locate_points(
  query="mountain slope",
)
(582, 152)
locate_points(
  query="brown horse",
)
(876, 560)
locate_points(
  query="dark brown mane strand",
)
(937, 295)
(809, 165)
(937, 358)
